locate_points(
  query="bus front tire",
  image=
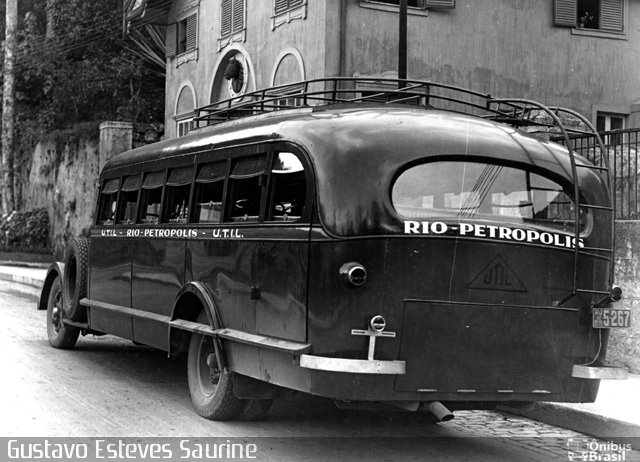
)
(75, 278)
(60, 335)
(211, 389)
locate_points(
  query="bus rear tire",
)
(75, 278)
(60, 335)
(211, 389)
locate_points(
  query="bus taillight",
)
(353, 273)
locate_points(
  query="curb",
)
(22, 264)
(25, 280)
(565, 416)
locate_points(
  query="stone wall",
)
(624, 344)
(64, 178)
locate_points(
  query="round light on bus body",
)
(353, 273)
(378, 323)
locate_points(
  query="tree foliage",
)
(73, 67)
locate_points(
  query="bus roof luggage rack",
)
(552, 123)
(353, 90)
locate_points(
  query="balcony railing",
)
(622, 148)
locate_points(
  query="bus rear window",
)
(474, 190)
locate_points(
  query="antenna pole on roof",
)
(402, 44)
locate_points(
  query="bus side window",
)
(128, 200)
(245, 190)
(151, 198)
(108, 200)
(288, 188)
(176, 208)
(208, 193)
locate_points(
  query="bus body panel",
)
(110, 271)
(471, 317)
(258, 283)
(158, 268)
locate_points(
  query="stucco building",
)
(581, 54)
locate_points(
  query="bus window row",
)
(225, 191)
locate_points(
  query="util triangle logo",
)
(497, 275)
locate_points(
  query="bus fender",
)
(56, 270)
(191, 299)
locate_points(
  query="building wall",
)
(508, 48)
(300, 40)
(624, 344)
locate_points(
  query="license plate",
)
(604, 318)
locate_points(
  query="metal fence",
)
(622, 152)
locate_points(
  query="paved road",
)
(108, 387)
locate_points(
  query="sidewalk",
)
(25, 277)
(614, 416)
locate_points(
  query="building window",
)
(598, 15)
(231, 17)
(608, 121)
(185, 126)
(285, 11)
(185, 110)
(182, 36)
(419, 4)
(282, 6)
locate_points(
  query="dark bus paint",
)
(474, 310)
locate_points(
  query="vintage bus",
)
(407, 244)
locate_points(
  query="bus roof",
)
(342, 134)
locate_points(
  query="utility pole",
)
(402, 44)
(8, 100)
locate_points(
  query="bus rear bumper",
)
(599, 372)
(352, 366)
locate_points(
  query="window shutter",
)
(564, 13)
(225, 18)
(611, 15)
(192, 31)
(433, 4)
(170, 46)
(281, 6)
(238, 15)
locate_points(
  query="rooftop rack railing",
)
(341, 90)
(533, 117)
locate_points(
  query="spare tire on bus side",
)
(75, 278)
